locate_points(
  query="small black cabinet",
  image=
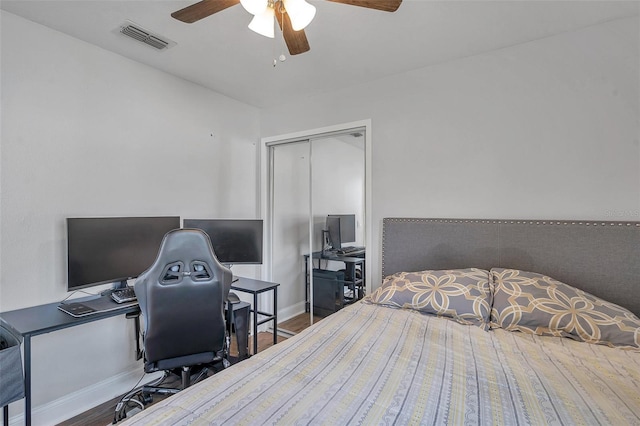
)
(352, 281)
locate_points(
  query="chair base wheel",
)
(146, 398)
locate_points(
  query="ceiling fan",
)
(292, 16)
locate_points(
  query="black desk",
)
(29, 322)
(256, 287)
(351, 262)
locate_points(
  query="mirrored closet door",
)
(289, 165)
(317, 209)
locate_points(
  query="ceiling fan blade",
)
(202, 9)
(385, 5)
(296, 40)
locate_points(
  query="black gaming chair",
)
(182, 300)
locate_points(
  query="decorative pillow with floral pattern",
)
(463, 295)
(537, 304)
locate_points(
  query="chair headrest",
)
(185, 253)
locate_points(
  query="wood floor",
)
(103, 414)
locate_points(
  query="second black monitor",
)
(234, 241)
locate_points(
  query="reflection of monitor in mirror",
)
(333, 231)
(103, 250)
(234, 241)
(341, 229)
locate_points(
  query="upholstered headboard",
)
(602, 258)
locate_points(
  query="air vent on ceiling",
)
(142, 35)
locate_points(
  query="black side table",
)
(255, 287)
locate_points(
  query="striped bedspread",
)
(369, 364)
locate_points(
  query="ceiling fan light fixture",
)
(263, 23)
(300, 12)
(255, 7)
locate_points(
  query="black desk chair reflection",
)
(182, 300)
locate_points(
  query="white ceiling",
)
(349, 45)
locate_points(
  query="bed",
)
(404, 356)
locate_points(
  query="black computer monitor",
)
(104, 250)
(234, 241)
(333, 232)
(342, 229)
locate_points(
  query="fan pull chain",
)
(282, 57)
(275, 44)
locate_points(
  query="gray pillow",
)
(534, 303)
(463, 295)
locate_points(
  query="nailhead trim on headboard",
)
(513, 221)
(520, 221)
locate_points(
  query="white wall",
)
(290, 219)
(88, 133)
(547, 129)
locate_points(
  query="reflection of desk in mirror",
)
(354, 273)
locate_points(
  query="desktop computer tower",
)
(328, 291)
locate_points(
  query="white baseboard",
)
(84, 399)
(291, 311)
